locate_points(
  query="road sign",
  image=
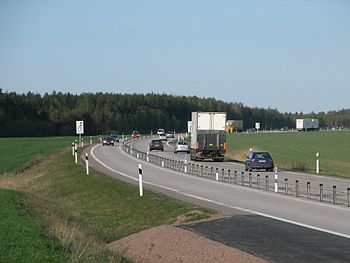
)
(79, 127)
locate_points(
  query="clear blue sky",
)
(291, 55)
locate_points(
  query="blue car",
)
(259, 160)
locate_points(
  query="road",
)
(328, 183)
(328, 217)
(294, 216)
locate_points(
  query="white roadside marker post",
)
(140, 180)
(87, 163)
(317, 162)
(82, 142)
(185, 167)
(76, 152)
(276, 180)
(72, 148)
(90, 140)
(147, 158)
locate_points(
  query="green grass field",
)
(297, 150)
(21, 237)
(81, 213)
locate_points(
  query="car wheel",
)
(175, 152)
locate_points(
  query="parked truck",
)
(208, 136)
(307, 124)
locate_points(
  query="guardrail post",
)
(308, 190)
(286, 186)
(267, 182)
(192, 170)
(276, 179)
(297, 188)
(223, 174)
(250, 179)
(162, 162)
(258, 181)
(229, 176)
(185, 167)
(212, 172)
(197, 173)
(348, 194)
(206, 171)
(321, 192)
(202, 170)
(334, 194)
(235, 177)
(217, 174)
(242, 178)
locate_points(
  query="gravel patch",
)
(168, 243)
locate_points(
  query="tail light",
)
(197, 146)
(253, 160)
(225, 146)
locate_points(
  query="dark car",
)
(108, 141)
(156, 145)
(115, 137)
(259, 160)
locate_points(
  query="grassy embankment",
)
(70, 215)
(296, 151)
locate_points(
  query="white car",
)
(160, 131)
(181, 146)
(163, 137)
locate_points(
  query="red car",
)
(135, 135)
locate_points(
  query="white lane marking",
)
(124, 174)
(223, 204)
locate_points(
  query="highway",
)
(320, 216)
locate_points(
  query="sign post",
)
(79, 129)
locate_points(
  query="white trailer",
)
(307, 124)
(208, 136)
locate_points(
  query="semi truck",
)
(307, 124)
(208, 136)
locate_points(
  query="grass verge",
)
(84, 213)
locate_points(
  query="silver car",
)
(181, 146)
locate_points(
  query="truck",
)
(208, 136)
(307, 124)
(234, 126)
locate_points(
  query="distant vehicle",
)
(208, 136)
(156, 144)
(181, 146)
(307, 124)
(115, 137)
(259, 160)
(169, 134)
(251, 130)
(135, 135)
(108, 141)
(160, 131)
(163, 137)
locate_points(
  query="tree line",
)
(55, 114)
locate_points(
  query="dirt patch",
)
(168, 243)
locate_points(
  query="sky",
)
(290, 55)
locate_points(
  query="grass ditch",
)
(84, 213)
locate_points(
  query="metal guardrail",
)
(265, 183)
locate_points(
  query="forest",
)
(55, 114)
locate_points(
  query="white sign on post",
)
(79, 127)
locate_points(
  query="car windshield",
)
(156, 141)
(182, 143)
(262, 155)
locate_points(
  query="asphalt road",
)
(303, 178)
(294, 216)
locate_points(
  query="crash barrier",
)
(289, 188)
